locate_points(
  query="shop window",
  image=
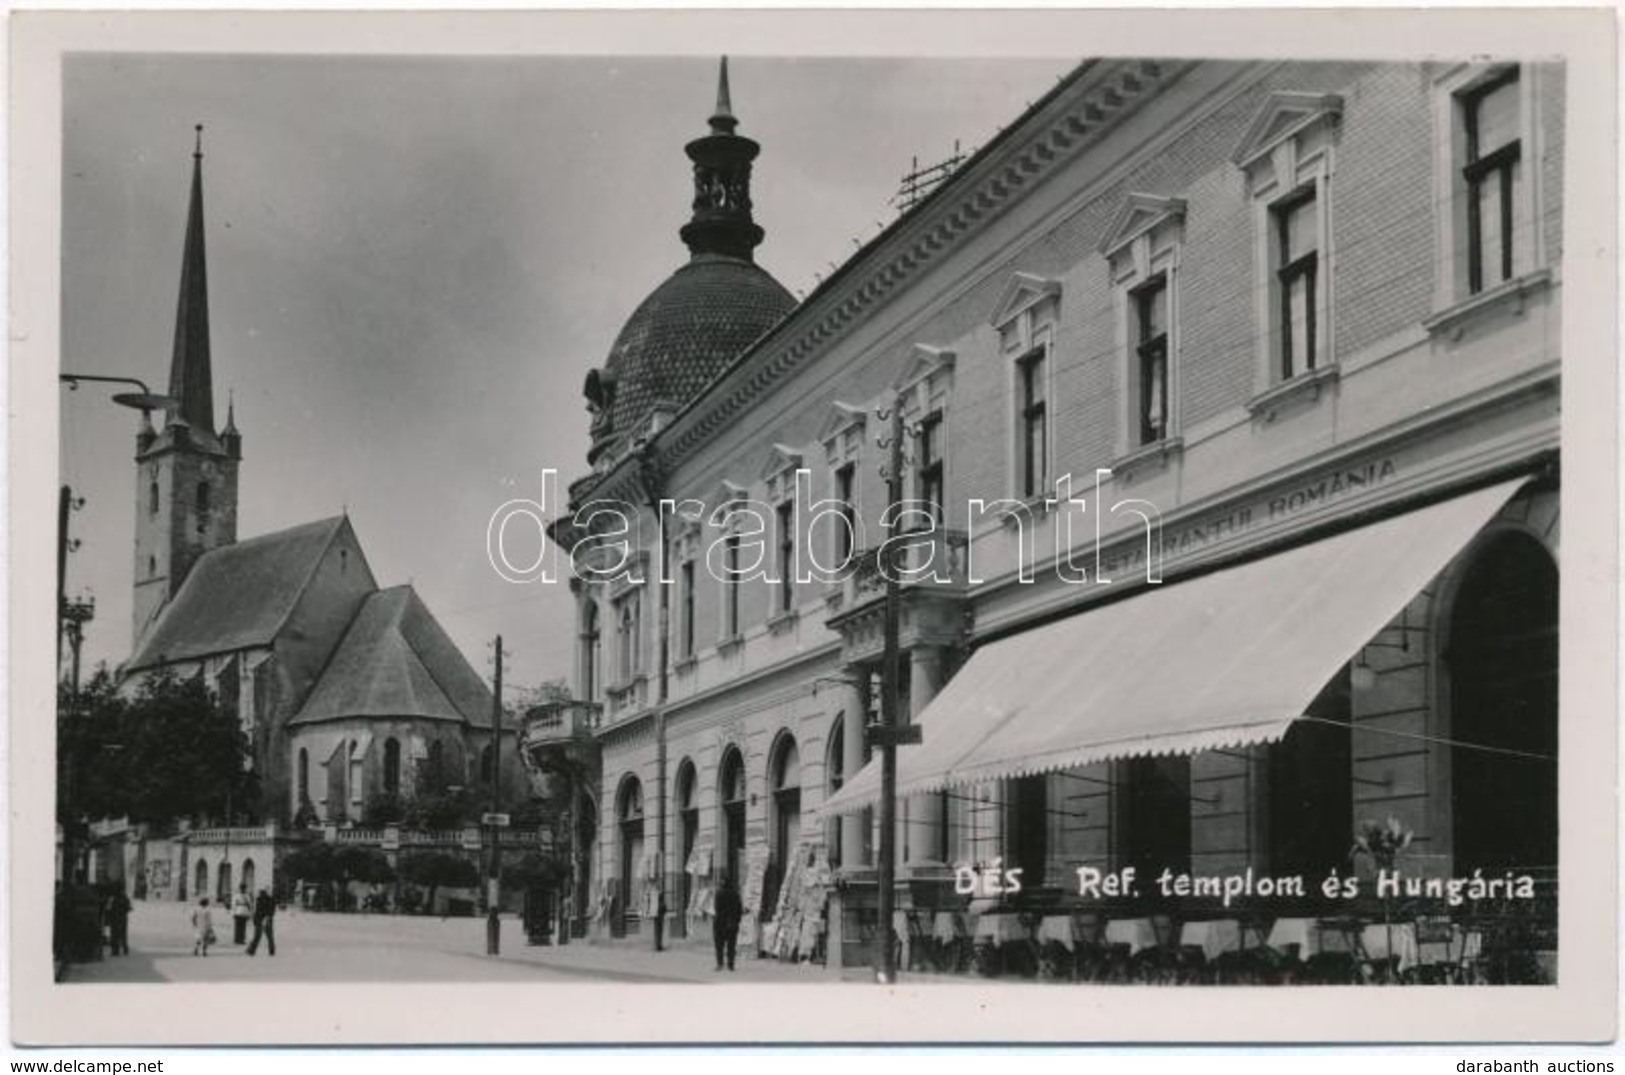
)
(629, 818)
(1027, 828)
(731, 795)
(1501, 660)
(1310, 811)
(688, 832)
(1154, 817)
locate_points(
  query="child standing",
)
(202, 928)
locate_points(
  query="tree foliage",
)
(166, 751)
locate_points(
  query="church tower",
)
(186, 473)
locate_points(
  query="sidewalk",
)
(689, 961)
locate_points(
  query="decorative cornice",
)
(1094, 100)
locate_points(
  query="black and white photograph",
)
(1074, 527)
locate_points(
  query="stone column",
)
(925, 814)
(855, 699)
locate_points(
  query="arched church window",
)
(152, 498)
(392, 766)
(202, 498)
(304, 776)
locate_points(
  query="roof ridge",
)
(441, 687)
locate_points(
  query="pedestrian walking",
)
(118, 920)
(241, 908)
(264, 915)
(202, 928)
(725, 926)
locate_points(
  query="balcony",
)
(932, 568)
(934, 559)
(560, 723)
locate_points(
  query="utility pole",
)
(889, 733)
(493, 922)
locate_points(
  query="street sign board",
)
(500, 821)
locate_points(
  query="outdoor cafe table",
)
(1214, 937)
(947, 927)
(1000, 928)
(1138, 933)
(1375, 940)
(1308, 934)
(1063, 929)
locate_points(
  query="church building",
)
(345, 689)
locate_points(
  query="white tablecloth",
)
(1137, 933)
(1375, 939)
(1214, 938)
(1000, 929)
(1308, 934)
(1060, 928)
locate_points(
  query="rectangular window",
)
(1297, 232)
(628, 632)
(787, 555)
(1151, 350)
(846, 493)
(730, 586)
(929, 475)
(1030, 373)
(687, 582)
(1491, 122)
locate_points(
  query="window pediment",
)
(842, 417)
(780, 458)
(1284, 115)
(925, 363)
(1022, 293)
(1141, 213)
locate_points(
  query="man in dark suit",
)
(264, 914)
(725, 926)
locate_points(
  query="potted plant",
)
(1382, 843)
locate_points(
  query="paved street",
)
(387, 948)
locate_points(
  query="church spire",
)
(190, 379)
(722, 222)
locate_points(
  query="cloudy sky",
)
(413, 263)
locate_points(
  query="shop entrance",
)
(1502, 661)
(731, 784)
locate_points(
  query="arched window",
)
(629, 817)
(357, 794)
(203, 498)
(434, 775)
(152, 565)
(590, 641)
(834, 777)
(303, 775)
(485, 765)
(784, 777)
(392, 766)
(1501, 659)
(688, 829)
(248, 876)
(731, 796)
(201, 887)
(152, 498)
(222, 884)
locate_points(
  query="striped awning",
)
(1224, 660)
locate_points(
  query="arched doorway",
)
(731, 796)
(629, 820)
(688, 831)
(1502, 662)
(248, 877)
(784, 781)
(201, 887)
(834, 777)
(222, 884)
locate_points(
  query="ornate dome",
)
(682, 336)
(707, 312)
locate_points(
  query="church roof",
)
(396, 661)
(238, 596)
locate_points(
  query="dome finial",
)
(723, 120)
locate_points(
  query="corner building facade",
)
(1291, 331)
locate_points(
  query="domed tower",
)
(707, 312)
